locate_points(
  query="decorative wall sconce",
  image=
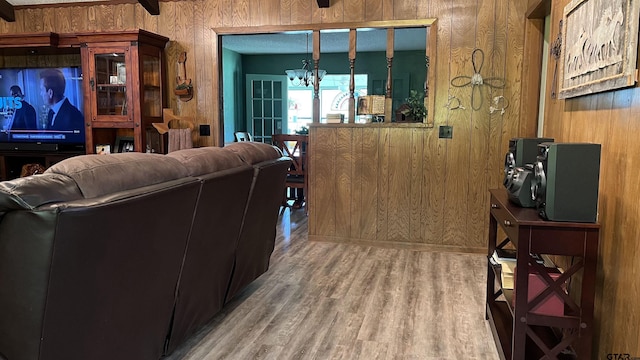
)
(184, 89)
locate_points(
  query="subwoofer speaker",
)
(565, 181)
(522, 151)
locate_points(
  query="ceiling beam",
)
(152, 6)
(324, 3)
(6, 11)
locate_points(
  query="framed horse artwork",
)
(599, 46)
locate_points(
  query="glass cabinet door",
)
(151, 85)
(110, 84)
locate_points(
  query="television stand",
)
(28, 147)
(11, 161)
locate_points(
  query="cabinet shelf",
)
(124, 124)
(501, 323)
(118, 86)
(566, 321)
(519, 332)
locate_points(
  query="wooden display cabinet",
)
(123, 87)
(521, 332)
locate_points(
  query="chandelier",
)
(305, 75)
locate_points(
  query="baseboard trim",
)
(400, 245)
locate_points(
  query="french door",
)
(266, 106)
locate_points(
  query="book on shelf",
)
(506, 259)
(507, 270)
(335, 118)
(502, 255)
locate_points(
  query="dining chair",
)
(294, 147)
(243, 136)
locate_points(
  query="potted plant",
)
(183, 88)
(413, 110)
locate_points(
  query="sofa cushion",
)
(206, 160)
(33, 191)
(254, 152)
(98, 175)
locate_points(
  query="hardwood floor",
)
(336, 301)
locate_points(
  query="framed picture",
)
(370, 105)
(121, 71)
(124, 144)
(599, 46)
(103, 149)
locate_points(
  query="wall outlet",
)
(205, 130)
(445, 132)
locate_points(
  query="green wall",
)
(409, 63)
(232, 93)
(406, 64)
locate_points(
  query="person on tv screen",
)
(24, 115)
(62, 114)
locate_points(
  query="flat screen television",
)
(26, 97)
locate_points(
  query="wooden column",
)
(430, 99)
(316, 83)
(352, 75)
(426, 73)
(218, 116)
(388, 101)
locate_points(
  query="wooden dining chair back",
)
(243, 136)
(294, 147)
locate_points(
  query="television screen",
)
(41, 106)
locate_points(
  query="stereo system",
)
(559, 179)
(565, 181)
(518, 169)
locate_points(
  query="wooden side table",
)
(519, 332)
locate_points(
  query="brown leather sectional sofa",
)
(125, 256)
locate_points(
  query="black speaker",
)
(565, 181)
(522, 151)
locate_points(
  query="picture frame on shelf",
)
(121, 71)
(103, 149)
(124, 144)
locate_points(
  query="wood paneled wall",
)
(189, 25)
(374, 184)
(457, 172)
(410, 186)
(613, 120)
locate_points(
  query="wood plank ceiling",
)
(7, 10)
